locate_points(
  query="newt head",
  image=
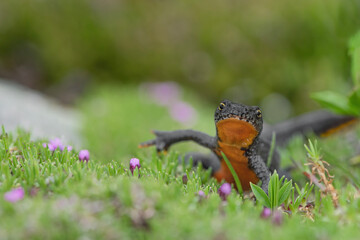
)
(237, 124)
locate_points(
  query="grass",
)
(101, 199)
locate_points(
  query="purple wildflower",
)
(14, 195)
(277, 218)
(56, 142)
(61, 147)
(266, 213)
(69, 148)
(201, 194)
(163, 93)
(134, 163)
(84, 155)
(182, 112)
(51, 147)
(224, 191)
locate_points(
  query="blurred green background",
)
(242, 50)
(101, 56)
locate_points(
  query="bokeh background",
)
(104, 56)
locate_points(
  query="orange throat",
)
(234, 137)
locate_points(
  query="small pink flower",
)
(277, 218)
(51, 147)
(14, 195)
(224, 191)
(56, 142)
(182, 112)
(201, 194)
(266, 213)
(84, 155)
(134, 163)
(69, 148)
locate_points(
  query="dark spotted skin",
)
(237, 135)
(238, 129)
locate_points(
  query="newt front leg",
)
(257, 164)
(164, 139)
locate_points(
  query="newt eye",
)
(258, 113)
(221, 106)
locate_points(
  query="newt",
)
(238, 136)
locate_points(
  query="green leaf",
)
(271, 193)
(309, 191)
(335, 102)
(235, 176)
(298, 200)
(354, 99)
(284, 192)
(354, 51)
(260, 195)
(293, 195)
(282, 179)
(297, 189)
(272, 148)
(273, 189)
(276, 190)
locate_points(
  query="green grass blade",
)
(284, 192)
(297, 189)
(272, 148)
(273, 189)
(299, 200)
(270, 191)
(235, 176)
(309, 191)
(260, 195)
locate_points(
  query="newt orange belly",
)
(234, 137)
